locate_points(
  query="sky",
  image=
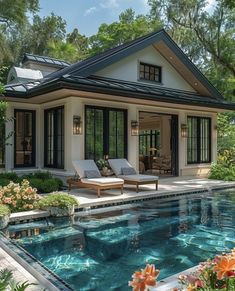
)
(88, 15)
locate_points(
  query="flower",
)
(144, 278)
(225, 267)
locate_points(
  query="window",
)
(199, 140)
(24, 138)
(54, 138)
(105, 133)
(150, 72)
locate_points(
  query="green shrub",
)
(57, 199)
(10, 176)
(36, 183)
(4, 210)
(59, 182)
(49, 185)
(222, 172)
(4, 182)
(42, 175)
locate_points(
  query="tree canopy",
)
(205, 34)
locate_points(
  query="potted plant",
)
(104, 167)
(58, 204)
(4, 216)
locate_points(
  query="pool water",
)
(101, 251)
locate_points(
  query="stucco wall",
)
(74, 144)
(128, 69)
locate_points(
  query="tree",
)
(128, 28)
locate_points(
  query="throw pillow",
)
(92, 174)
(128, 171)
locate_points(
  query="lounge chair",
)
(124, 170)
(90, 177)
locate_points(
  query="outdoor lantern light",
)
(184, 130)
(77, 124)
(134, 127)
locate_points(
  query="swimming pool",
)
(101, 251)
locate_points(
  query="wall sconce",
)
(134, 127)
(184, 130)
(77, 124)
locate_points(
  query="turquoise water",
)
(100, 252)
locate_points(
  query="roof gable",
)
(162, 41)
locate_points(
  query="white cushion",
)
(118, 164)
(103, 181)
(139, 178)
(84, 165)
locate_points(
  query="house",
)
(143, 100)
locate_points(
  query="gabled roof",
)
(93, 64)
(79, 76)
(44, 60)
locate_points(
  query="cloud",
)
(90, 10)
(110, 4)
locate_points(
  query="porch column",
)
(182, 143)
(9, 149)
(133, 141)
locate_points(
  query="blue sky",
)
(87, 15)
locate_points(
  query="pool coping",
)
(27, 216)
(47, 278)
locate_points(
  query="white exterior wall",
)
(128, 70)
(74, 144)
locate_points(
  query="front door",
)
(105, 133)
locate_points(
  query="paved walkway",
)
(167, 186)
(19, 273)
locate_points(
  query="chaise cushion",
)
(118, 164)
(84, 165)
(92, 174)
(104, 181)
(128, 171)
(139, 178)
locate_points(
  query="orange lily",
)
(145, 277)
(224, 267)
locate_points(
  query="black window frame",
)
(33, 138)
(198, 140)
(2, 145)
(55, 144)
(106, 129)
(146, 71)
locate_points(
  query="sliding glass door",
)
(105, 132)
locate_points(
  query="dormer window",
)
(150, 72)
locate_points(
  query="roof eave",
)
(58, 84)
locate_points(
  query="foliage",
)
(19, 197)
(9, 176)
(215, 274)
(128, 28)
(224, 169)
(57, 199)
(101, 163)
(4, 210)
(7, 282)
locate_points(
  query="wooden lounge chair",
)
(124, 170)
(90, 177)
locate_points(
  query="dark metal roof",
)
(119, 88)
(45, 60)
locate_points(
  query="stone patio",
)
(167, 186)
